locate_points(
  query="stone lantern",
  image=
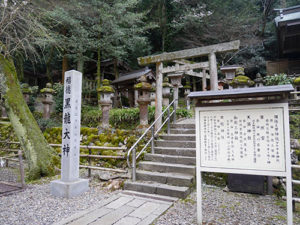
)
(241, 81)
(144, 89)
(106, 93)
(259, 81)
(176, 82)
(166, 92)
(229, 72)
(187, 91)
(26, 92)
(47, 100)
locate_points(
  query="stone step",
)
(175, 151)
(183, 126)
(167, 167)
(182, 131)
(157, 188)
(170, 159)
(151, 196)
(175, 144)
(178, 137)
(176, 179)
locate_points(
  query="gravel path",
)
(36, 205)
(227, 208)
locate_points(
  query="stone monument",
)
(70, 185)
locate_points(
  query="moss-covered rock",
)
(166, 82)
(48, 89)
(241, 80)
(143, 86)
(297, 81)
(106, 88)
(187, 85)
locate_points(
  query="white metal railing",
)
(153, 135)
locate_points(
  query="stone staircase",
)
(170, 172)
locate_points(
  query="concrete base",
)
(69, 189)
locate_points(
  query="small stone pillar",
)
(296, 84)
(143, 99)
(241, 81)
(259, 82)
(152, 96)
(176, 82)
(204, 82)
(26, 92)
(106, 92)
(136, 96)
(187, 91)
(166, 91)
(47, 100)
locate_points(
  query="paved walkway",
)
(120, 210)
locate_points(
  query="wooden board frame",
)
(286, 174)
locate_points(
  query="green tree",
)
(18, 31)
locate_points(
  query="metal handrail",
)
(153, 134)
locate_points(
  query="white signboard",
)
(251, 139)
(243, 139)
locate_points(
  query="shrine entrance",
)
(182, 65)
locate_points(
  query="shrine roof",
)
(133, 75)
(242, 92)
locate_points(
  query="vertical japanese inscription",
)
(249, 139)
(71, 126)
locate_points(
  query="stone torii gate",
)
(209, 51)
(204, 66)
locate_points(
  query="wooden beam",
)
(185, 67)
(189, 53)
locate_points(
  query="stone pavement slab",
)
(120, 209)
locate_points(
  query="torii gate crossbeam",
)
(209, 51)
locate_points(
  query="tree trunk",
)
(64, 67)
(39, 155)
(80, 63)
(20, 66)
(98, 74)
(48, 65)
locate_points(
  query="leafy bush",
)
(59, 96)
(124, 118)
(277, 79)
(91, 118)
(294, 125)
(47, 123)
(183, 113)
